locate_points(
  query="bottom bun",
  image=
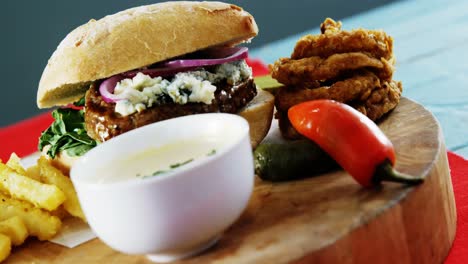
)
(62, 160)
(258, 113)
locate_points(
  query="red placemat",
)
(22, 138)
(459, 172)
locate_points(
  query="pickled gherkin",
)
(290, 160)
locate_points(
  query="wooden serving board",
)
(330, 218)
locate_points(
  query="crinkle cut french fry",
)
(52, 175)
(60, 212)
(34, 172)
(5, 247)
(15, 229)
(38, 222)
(15, 164)
(42, 195)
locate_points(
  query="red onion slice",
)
(155, 72)
(107, 89)
(222, 55)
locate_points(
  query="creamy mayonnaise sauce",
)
(163, 160)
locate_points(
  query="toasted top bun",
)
(258, 113)
(135, 38)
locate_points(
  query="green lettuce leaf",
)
(81, 102)
(67, 133)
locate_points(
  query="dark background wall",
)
(31, 30)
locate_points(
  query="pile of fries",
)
(33, 202)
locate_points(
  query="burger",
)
(145, 65)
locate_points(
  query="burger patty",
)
(103, 123)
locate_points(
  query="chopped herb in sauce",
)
(159, 172)
(173, 166)
(211, 153)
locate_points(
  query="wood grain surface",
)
(327, 219)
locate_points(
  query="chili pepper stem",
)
(386, 172)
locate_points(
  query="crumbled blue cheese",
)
(143, 91)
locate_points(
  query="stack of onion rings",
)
(353, 67)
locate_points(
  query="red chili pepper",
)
(353, 140)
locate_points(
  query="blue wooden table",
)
(431, 48)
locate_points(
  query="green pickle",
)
(283, 161)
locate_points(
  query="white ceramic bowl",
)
(176, 214)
